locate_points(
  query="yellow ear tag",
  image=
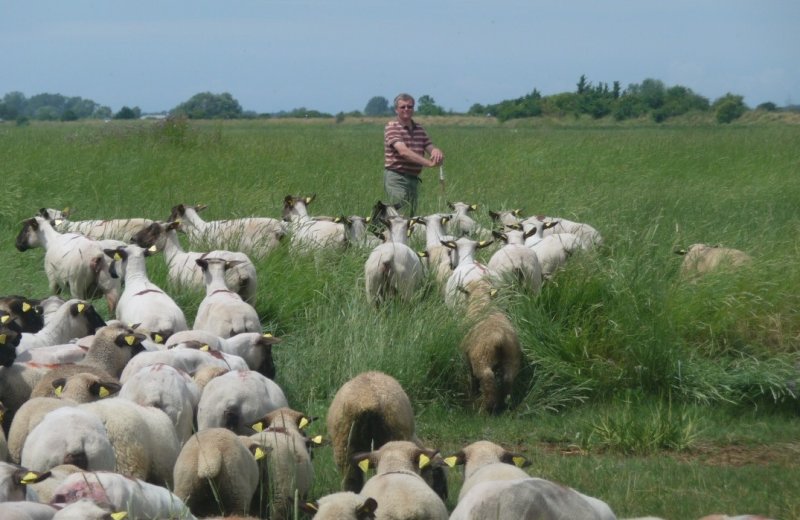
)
(451, 461)
(117, 256)
(153, 249)
(2, 339)
(29, 478)
(312, 506)
(103, 392)
(308, 200)
(259, 454)
(364, 465)
(58, 222)
(130, 340)
(5, 319)
(205, 348)
(81, 307)
(518, 461)
(424, 460)
(158, 338)
(317, 440)
(2, 415)
(266, 335)
(119, 515)
(26, 307)
(58, 391)
(259, 427)
(303, 423)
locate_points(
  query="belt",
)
(405, 174)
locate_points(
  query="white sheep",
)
(190, 360)
(506, 217)
(143, 302)
(393, 268)
(529, 498)
(437, 256)
(357, 231)
(222, 311)
(344, 505)
(74, 319)
(397, 484)
(85, 509)
(216, 474)
(486, 461)
(24, 510)
(368, 411)
(236, 399)
(17, 381)
(514, 262)
(701, 259)
(463, 224)
(255, 236)
(141, 500)
(182, 269)
(73, 263)
(115, 229)
(168, 389)
(553, 250)
(253, 347)
(466, 268)
(588, 236)
(309, 233)
(69, 435)
(14, 479)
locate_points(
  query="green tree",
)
(729, 108)
(210, 106)
(377, 106)
(69, 115)
(125, 113)
(769, 106)
(427, 106)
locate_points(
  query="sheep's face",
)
(9, 339)
(152, 235)
(28, 238)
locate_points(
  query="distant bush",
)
(729, 108)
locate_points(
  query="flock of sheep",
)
(146, 415)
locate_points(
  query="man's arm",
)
(410, 155)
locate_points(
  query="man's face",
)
(404, 109)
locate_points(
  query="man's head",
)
(404, 106)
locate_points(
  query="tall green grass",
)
(625, 361)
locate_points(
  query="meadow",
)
(660, 396)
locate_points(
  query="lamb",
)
(143, 438)
(392, 268)
(701, 259)
(141, 500)
(74, 319)
(168, 389)
(492, 349)
(25, 312)
(115, 229)
(222, 311)
(255, 236)
(515, 262)
(68, 435)
(73, 263)
(143, 302)
(309, 233)
(397, 485)
(344, 505)
(466, 268)
(14, 478)
(236, 399)
(290, 469)
(368, 411)
(182, 269)
(529, 498)
(216, 474)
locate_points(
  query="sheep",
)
(289, 463)
(392, 268)
(516, 262)
(143, 438)
(115, 229)
(700, 259)
(111, 349)
(216, 474)
(190, 360)
(73, 263)
(309, 233)
(344, 505)
(236, 399)
(3, 441)
(10, 336)
(253, 347)
(168, 389)
(492, 349)
(554, 250)
(183, 271)
(141, 500)
(26, 313)
(529, 498)
(506, 217)
(486, 461)
(436, 254)
(14, 479)
(143, 302)
(466, 268)
(68, 435)
(16, 384)
(24, 510)
(255, 236)
(397, 485)
(588, 236)
(356, 231)
(462, 224)
(222, 311)
(85, 509)
(368, 411)
(74, 319)
(42, 491)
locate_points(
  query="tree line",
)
(650, 98)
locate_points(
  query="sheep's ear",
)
(309, 508)
(259, 426)
(78, 308)
(317, 440)
(66, 212)
(268, 339)
(175, 224)
(309, 200)
(422, 254)
(516, 212)
(484, 243)
(451, 205)
(367, 509)
(518, 460)
(202, 263)
(529, 233)
(102, 390)
(305, 421)
(368, 219)
(551, 224)
(363, 461)
(455, 460)
(288, 200)
(446, 219)
(424, 458)
(200, 207)
(158, 338)
(448, 244)
(151, 250)
(26, 477)
(499, 235)
(58, 385)
(259, 451)
(681, 251)
(472, 207)
(119, 515)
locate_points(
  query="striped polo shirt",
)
(416, 138)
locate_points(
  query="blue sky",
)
(333, 56)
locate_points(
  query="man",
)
(405, 145)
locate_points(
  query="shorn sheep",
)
(466, 268)
(514, 262)
(115, 229)
(344, 505)
(486, 461)
(393, 269)
(309, 233)
(700, 259)
(223, 312)
(73, 263)
(368, 411)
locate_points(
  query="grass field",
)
(659, 396)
